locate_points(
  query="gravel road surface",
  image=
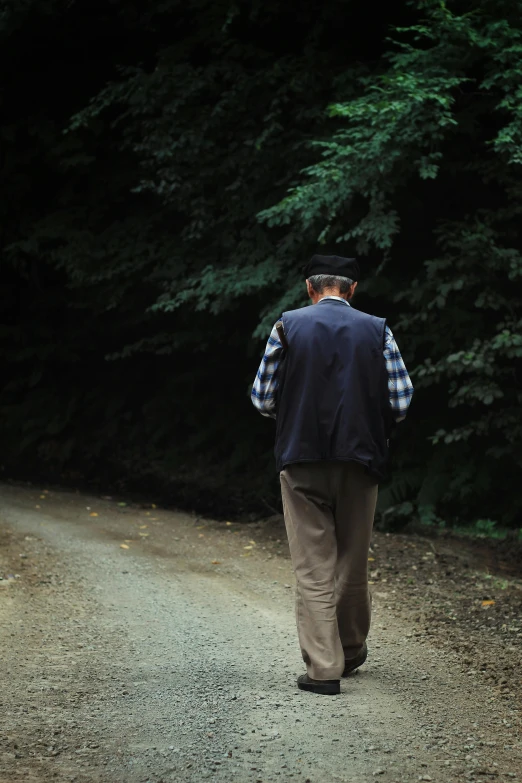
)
(141, 645)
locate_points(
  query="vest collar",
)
(336, 298)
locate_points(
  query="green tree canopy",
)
(164, 194)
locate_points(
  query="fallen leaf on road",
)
(122, 504)
(144, 534)
(93, 514)
(153, 505)
(487, 603)
(247, 547)
(253, 542)
(142, 527)
(216, 562)
(228, 523)
(201, 535)
(42, 497)
(371, 559)
(124, 546)
(38, 507)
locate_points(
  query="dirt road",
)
(144, 645)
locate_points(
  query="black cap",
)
(332, 265)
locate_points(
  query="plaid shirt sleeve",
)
(400, 386)
(264, 389)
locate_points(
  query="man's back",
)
(333, 397)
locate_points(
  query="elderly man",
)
(335, 380)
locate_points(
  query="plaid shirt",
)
(264, 390)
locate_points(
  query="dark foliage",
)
(166, 172)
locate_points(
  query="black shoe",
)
(351, 664)
(324, 687)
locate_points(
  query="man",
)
(335, 387)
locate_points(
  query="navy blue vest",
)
(333, 401)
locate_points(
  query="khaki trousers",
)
(329, 509)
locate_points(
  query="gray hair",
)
(321, 282)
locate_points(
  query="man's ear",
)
(352, 290)
(309, 289)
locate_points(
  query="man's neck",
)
(333, 295)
